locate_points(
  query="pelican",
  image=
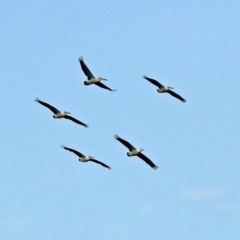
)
(162, 89)
(83, 158)
(136, 152)
(58, 114)
(91, 78)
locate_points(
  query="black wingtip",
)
(145, 77)
(63, 146)
(155, 167)
(116, 136)
(182, 100)
(80, 58)
(113, 90)
(86, 126)
(36, 100)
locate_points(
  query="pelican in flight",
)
(58, 114)
(91, 78)
(163, 89)
(136, 152)
(83, 158)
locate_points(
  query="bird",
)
(58, 114)
(163, 89)
(91, 78)
(135, 152)
(83, 158)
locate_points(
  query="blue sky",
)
(191, 45)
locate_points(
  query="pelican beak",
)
(103, 78)
(67, 112)
(171, 87)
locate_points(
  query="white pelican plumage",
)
(163, 89)
(91, 78)
(136, 152)
(58, 114)
(83, 158)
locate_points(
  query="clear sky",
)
(193, 46)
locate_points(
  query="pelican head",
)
(141, 149)
(65, 112)
(102, 78)
(86, 158)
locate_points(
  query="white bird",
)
(136, 152)
(58, 114)
(83, 158)
(91, 78)
(162, 89)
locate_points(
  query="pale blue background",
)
(193, 46)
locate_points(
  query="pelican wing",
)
(75, 120)
(74, 151)
(53, 109)
(101, 163)
(125, 143)
(176, 95)
(104, 86)
(153, 81)
(147, 160)
(85, 69)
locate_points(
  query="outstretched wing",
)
(85, 69)
(101, 163)
(75, 120)
(125, 143)
(53, 109)
(147, 160)
(176, 95)
(153, 81)
(74, 151)
(104, 86)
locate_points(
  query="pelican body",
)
(85, 158)
(164, 89)
(61, 114)
(90, 77)
(135, 152)
(93, 80)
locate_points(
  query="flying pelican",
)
(83, 158)
(58, 114)
(162, 89)
(91, 78)
(135, 152)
